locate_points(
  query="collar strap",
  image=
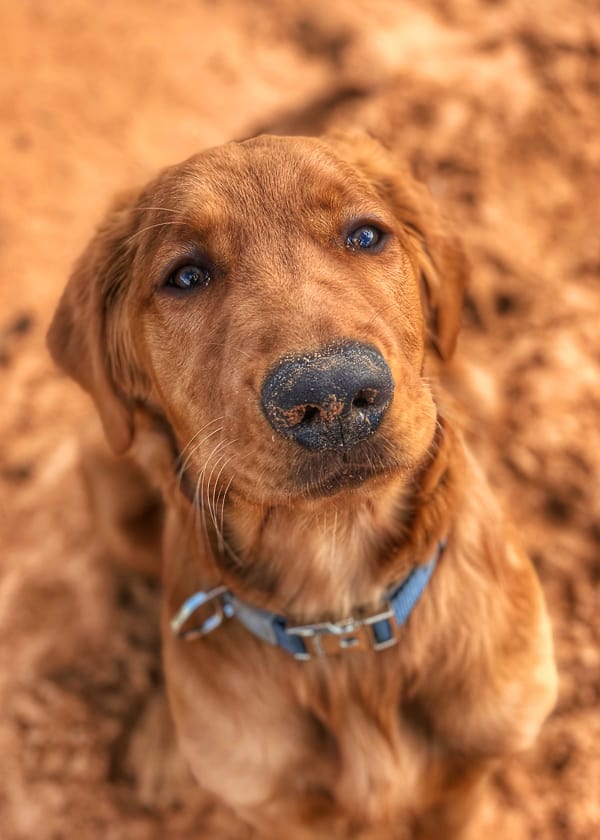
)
(306, 641)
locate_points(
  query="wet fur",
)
(394, 744)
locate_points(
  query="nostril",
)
(365, 398)
(311, 415)
(360, 402)
(299, 415)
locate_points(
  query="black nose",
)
(330, 399)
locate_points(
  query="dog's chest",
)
(265, 733)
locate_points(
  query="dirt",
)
(496, 104)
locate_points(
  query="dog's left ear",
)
(437, 252)
(79, 339)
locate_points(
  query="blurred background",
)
(496, 105)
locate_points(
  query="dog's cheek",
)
(411, 422)
(420, 425)
(174, 382)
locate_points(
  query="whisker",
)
(150, 227)
(199, 493)
(211, 502)
(181, 472)
(198, 506)
(334, 537)
(222, 517)
(199, 432)
(223, 544)
(383, 309)
(173, 210)
(216, 484)
(231, 347)
(215, 501)
(189, 455)
(204, 494)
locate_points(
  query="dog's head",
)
(273, 301)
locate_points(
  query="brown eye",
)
(189, 277)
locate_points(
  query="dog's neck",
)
(342, 552)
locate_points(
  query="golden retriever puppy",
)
(351, 634)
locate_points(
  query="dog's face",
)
(273, 300)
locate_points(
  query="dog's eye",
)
(189, 277)
(365, 236)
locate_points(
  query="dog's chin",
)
(320, 476)
(349, 478)
(325, 474)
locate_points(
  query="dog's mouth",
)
(330, 473)
(319, 478)
(348, 478)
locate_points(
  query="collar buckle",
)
(349, 634)
(221, 610)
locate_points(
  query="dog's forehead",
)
(272, 175)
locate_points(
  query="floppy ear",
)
(78, 337)
(438, 253)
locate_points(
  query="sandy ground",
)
(497, 106)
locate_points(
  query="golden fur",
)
(393, 744)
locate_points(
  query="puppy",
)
(351, 633)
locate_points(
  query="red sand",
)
(497, 106)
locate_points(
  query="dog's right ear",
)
(78, 338)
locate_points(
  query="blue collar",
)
(306, 641)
